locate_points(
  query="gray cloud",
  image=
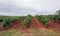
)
(24, 7)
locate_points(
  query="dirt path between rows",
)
(35, 24)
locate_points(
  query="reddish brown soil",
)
(54, 25)
(35, 24)
(16, 25)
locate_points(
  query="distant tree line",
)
(58, 12)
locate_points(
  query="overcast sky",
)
(24, 7)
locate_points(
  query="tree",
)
(58, 12)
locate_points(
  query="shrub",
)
(26, 21)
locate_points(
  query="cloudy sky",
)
(24, 7)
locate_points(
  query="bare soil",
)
(54, 25)
(35, 24)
